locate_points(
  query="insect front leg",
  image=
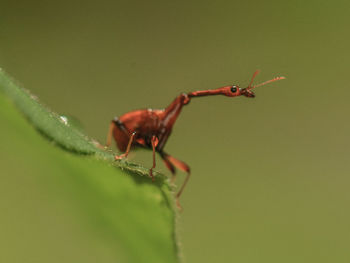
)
(124, 155)
(154, 142)
(170, 166)
(171, 161)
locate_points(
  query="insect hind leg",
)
(124, 155)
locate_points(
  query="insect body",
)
(151, 129)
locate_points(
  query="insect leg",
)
(124, 155)
(182, 166)
(169, 165)
(110, 133)
(154, 142)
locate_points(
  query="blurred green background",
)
(270, 175)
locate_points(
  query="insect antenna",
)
(264, 83)
(251, 82)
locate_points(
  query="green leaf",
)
(95, 209)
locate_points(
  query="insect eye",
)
(233, 89)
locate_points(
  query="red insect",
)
(150, 128)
